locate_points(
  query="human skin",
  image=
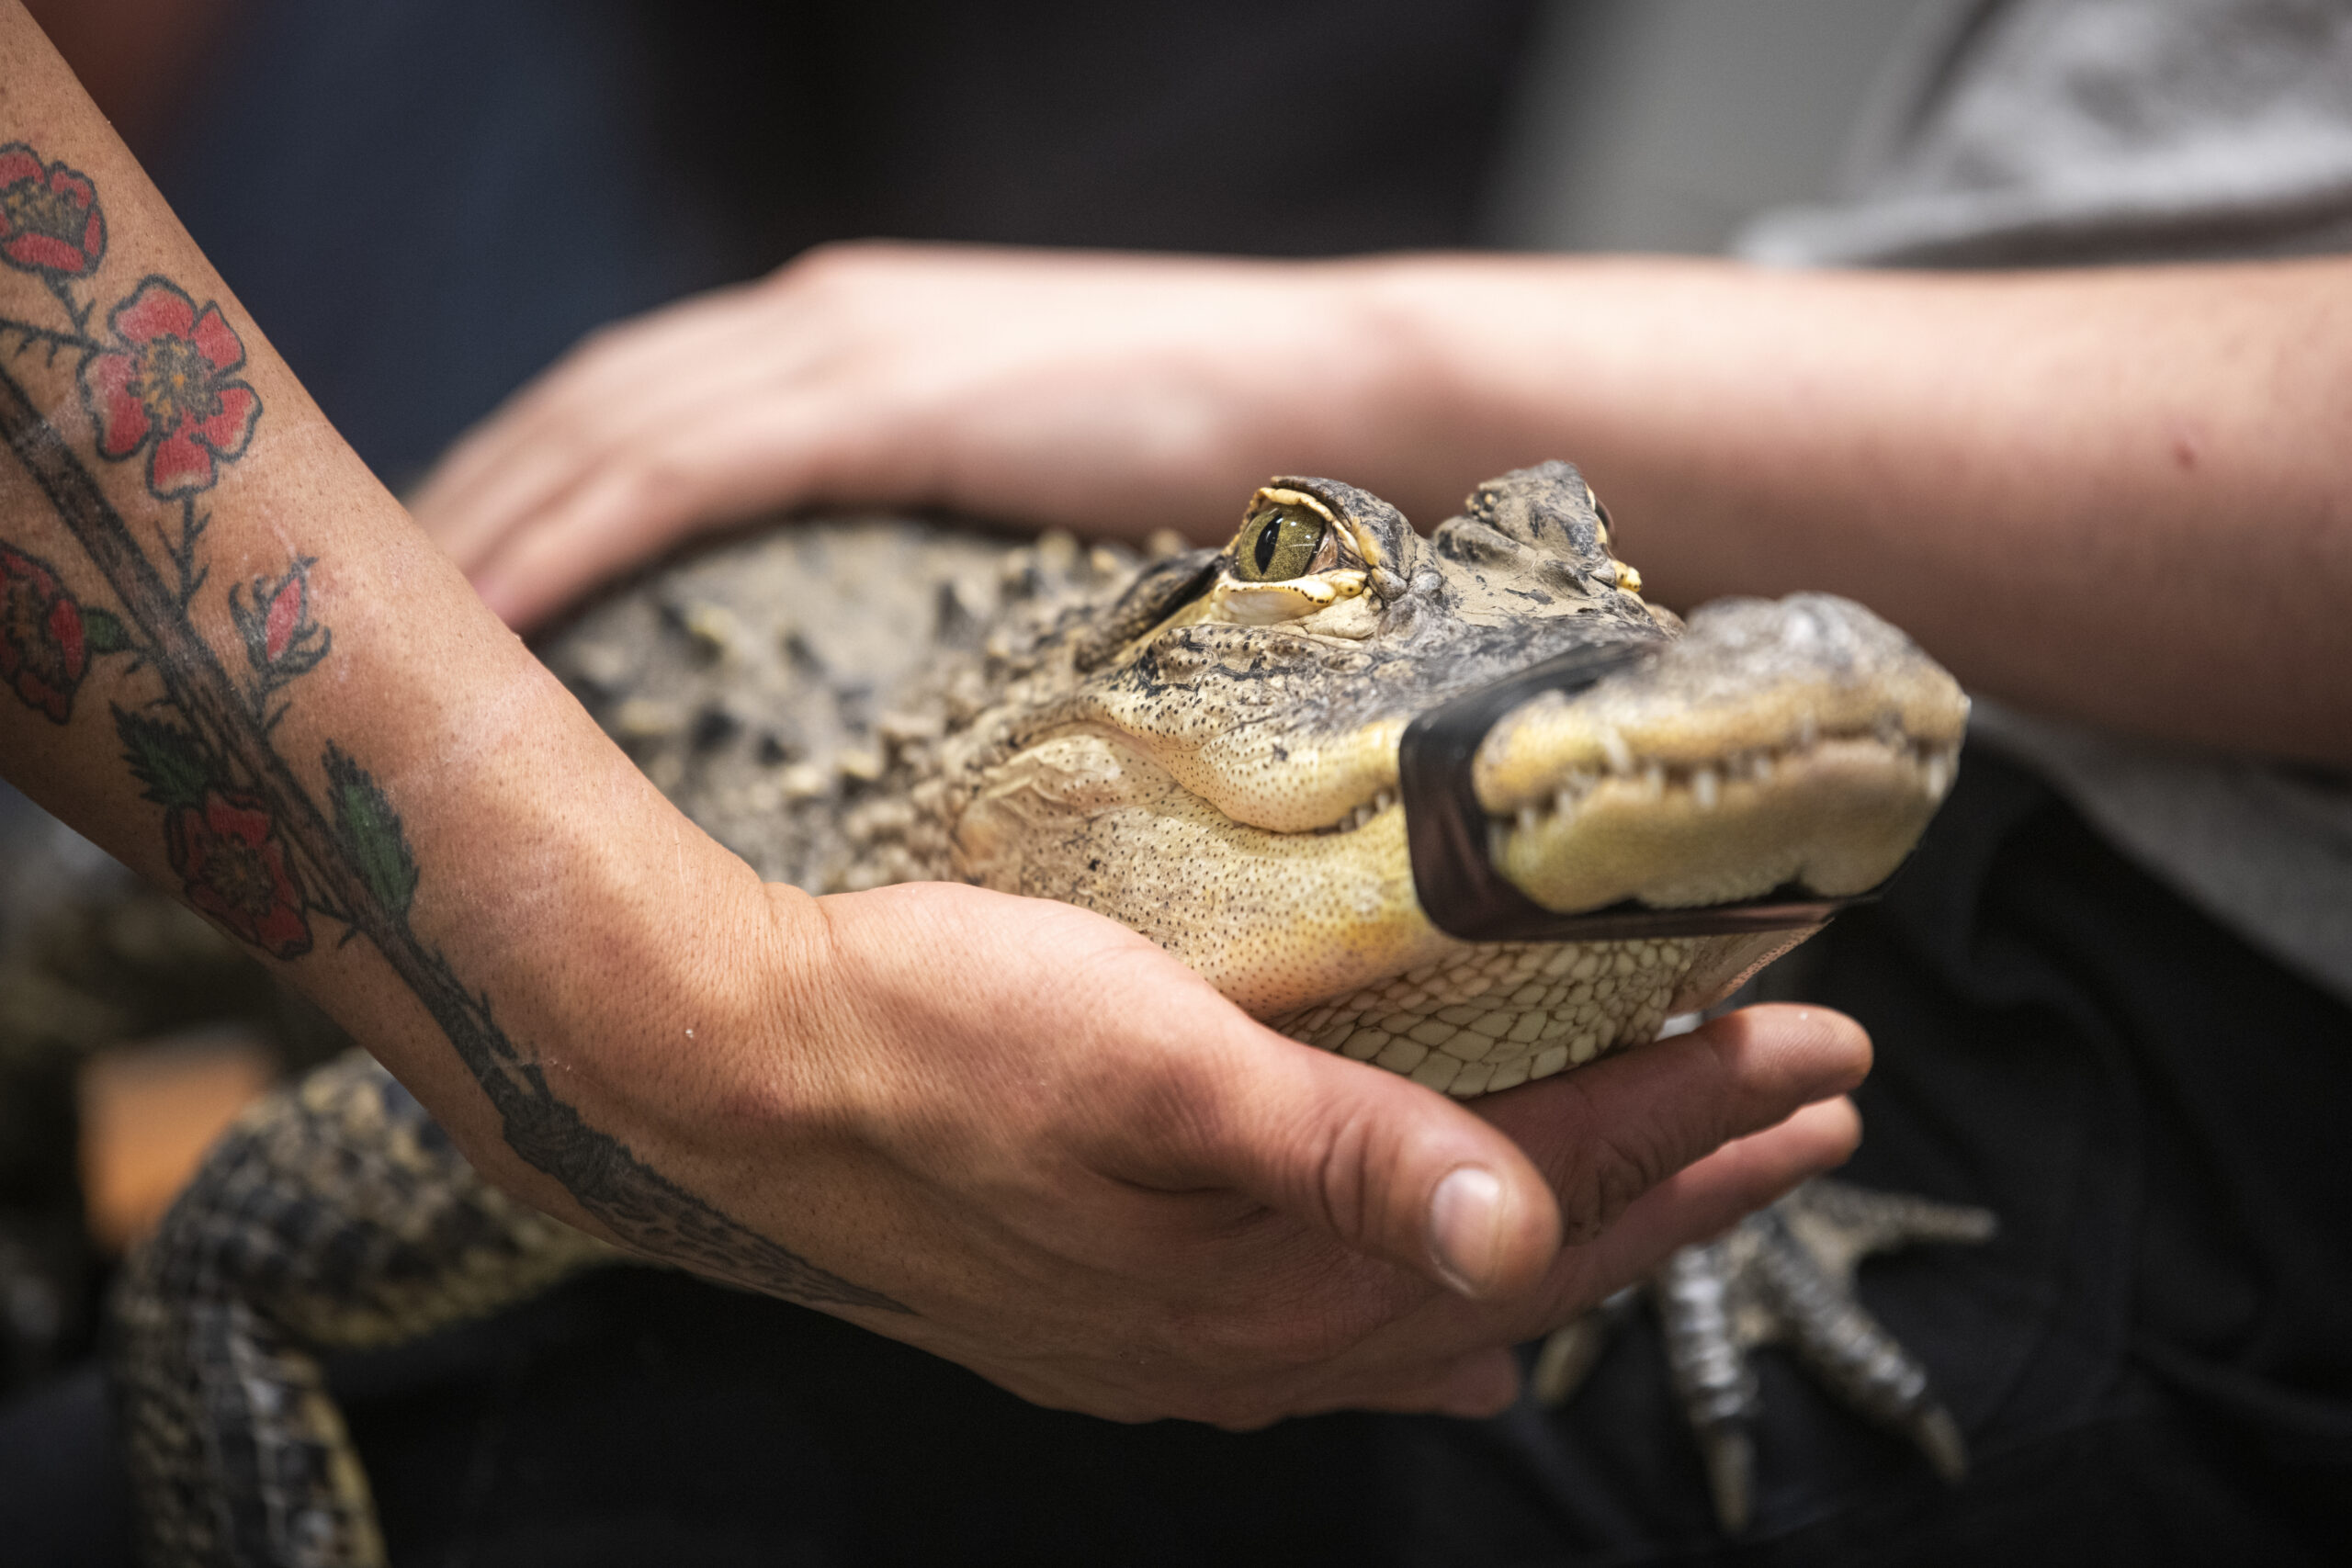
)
(2116, 495)
(1005, 1130)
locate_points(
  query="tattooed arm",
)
(1010, 1132)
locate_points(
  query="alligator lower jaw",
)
(1480, 1018)
(1836, 817)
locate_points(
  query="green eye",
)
(1278, 543)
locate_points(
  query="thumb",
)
(1385, 1167)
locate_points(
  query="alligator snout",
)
(1800, 741)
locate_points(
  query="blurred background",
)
(423, 203)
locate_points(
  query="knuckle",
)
(1610, 1170)
(1349, 1174)
(832, 267)
(1236, 1405)
(1180, 1099)
(601, 346)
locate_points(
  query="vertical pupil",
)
(1268, 537)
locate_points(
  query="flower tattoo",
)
(49, 221)
(166, 390)
(227, 849)
(263, 845)
(47, 635)
(281, 640)
(43, 649)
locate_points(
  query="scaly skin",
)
(1203, 746)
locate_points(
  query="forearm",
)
(233, 661)
(2118, 495)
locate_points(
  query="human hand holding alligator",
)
(616, 1021)
(1139, 1202)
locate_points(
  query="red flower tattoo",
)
(289, 608)
(281, 640)
(228, 851)
(43, 647)
(167, 390)
(49, 219)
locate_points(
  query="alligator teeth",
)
(1937, 772)
(1365, 813)
(1936, 765)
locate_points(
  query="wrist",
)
(1421, 405)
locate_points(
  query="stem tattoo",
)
(260, 851)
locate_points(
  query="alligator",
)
(1220, 748)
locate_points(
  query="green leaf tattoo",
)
(104, 630)
(165, 758)
(372, 832)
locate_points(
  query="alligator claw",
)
(1569, 1354)
(1785, 1275)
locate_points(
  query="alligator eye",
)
(1278, 543)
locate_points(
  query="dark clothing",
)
(2151, 1362)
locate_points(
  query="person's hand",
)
(1096, 1182)
(1113, 394)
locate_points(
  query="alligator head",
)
(1208, 753)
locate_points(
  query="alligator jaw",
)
(1799, 743)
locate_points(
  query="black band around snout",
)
(1446, 829)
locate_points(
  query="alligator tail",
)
(336, 1214)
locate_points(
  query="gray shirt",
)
(2057, 132)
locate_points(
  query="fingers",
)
(1021, 385)
(1756, 1079)
(589, 403)
(1694, 1204)
(1380, 1165)
(1609, 1132)
(713, 467)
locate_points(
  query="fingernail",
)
(1466, 1228)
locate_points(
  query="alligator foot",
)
(1783, 1275)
